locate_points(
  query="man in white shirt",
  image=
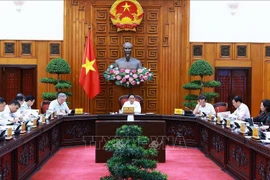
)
(2, 104)
(8, 115)
(132, 103)
(242, 111)
(20, 98)
(2, 107)
(28, 102)
(59, 105)
(204, 107)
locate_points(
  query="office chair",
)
(220, 107)
(44, 106)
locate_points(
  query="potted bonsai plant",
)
(56, 66)
(200, 68)
(130, 158)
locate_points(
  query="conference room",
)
(115, 84)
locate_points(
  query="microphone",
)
(237, 125)
(18, 128)
(26, 123)
(3, 133)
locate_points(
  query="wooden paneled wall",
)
(161, 43)
(31, 53)
(255, 56)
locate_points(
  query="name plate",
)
(255, 133)
(34, 122)
(243, 128)
(9, 134)
(210, 117)
(130, 118)
(178, 111)
(78, 110)
(42, 119)
(23, 128)
(218, 119)
(228, 125)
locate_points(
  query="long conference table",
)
(242, 157)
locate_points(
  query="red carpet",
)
(79, 163)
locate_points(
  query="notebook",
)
(225, 114)
(128, 110)
(33, 112)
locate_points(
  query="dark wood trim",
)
(219, 143)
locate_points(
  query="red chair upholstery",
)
(124, 98)
(220, 107)
(45, 106)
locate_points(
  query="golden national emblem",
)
(126, 15)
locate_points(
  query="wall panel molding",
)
(162, 44)
(242, 55)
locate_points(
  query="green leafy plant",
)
(200, 68)
(130, 159)
(57, 66)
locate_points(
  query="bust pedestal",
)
(121, 90)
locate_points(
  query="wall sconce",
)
(18, 4)
(233, 5)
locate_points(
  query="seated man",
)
(20, 97)
(25, 109)
(8, 115)
(132, 103)
(242, 111)
(204, 107)
(59, 105)
(28, 102)
(2, 104)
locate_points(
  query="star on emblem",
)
(89, 65)
(126, 7)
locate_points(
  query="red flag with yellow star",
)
(89, 76)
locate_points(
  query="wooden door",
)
(234, 82)
(17, 79)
